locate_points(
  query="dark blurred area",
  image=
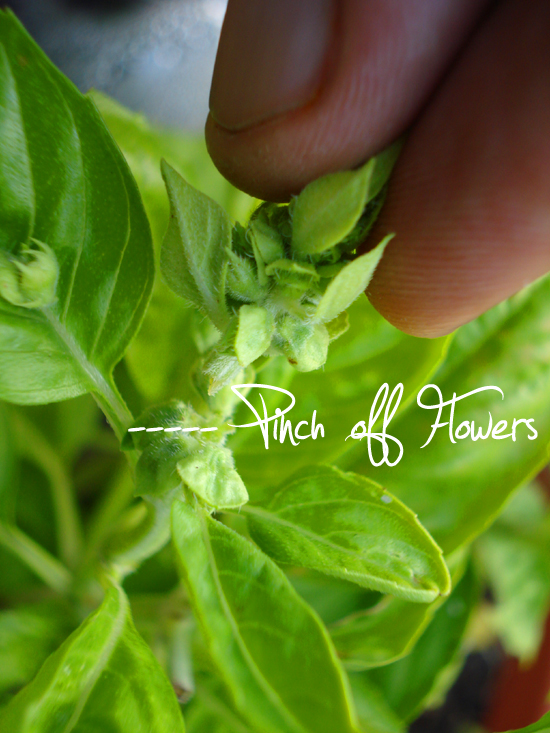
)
(154, 56)
(465, 705)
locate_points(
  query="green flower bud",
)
(155, 473)
(254, 332)
(304, 344)
(210, 474)
(242, 280)
(224, 402)
(222, 369)
(171, 414)
(29, 279)
(294, 281)
(292, 269)
(267, 239)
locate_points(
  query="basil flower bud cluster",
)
(28, 278)
(280, 285)
(180, 447)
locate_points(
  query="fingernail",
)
(270, 59)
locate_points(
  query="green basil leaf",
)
(331, 598)
(271, 651)
(407, 683)
(338, 326)
(387, 631)
(145, 144)
(268, 239)
(343, 524)
(327, 209)
(516, 560)
(103, 677)
(211, 711)
(193, 256)
(508, 348)
(67, 185)
(157, 368)
(349, 283)
(384, 163)
(202, 720)
(382, 634)
(28, 634)
(374, 712)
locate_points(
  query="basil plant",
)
(162, 568)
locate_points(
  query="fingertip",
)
(384, 59)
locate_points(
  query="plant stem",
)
(117, 498)
(48, 568)
(115, 409)
(34, 445)
(103, 387)
(118, 414)
(155, 535)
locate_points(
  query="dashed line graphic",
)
(172, 430)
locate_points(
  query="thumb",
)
(305, 87)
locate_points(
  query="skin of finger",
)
(385, 59)
(278, 48)
(470, 197)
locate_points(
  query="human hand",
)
(302, 88)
